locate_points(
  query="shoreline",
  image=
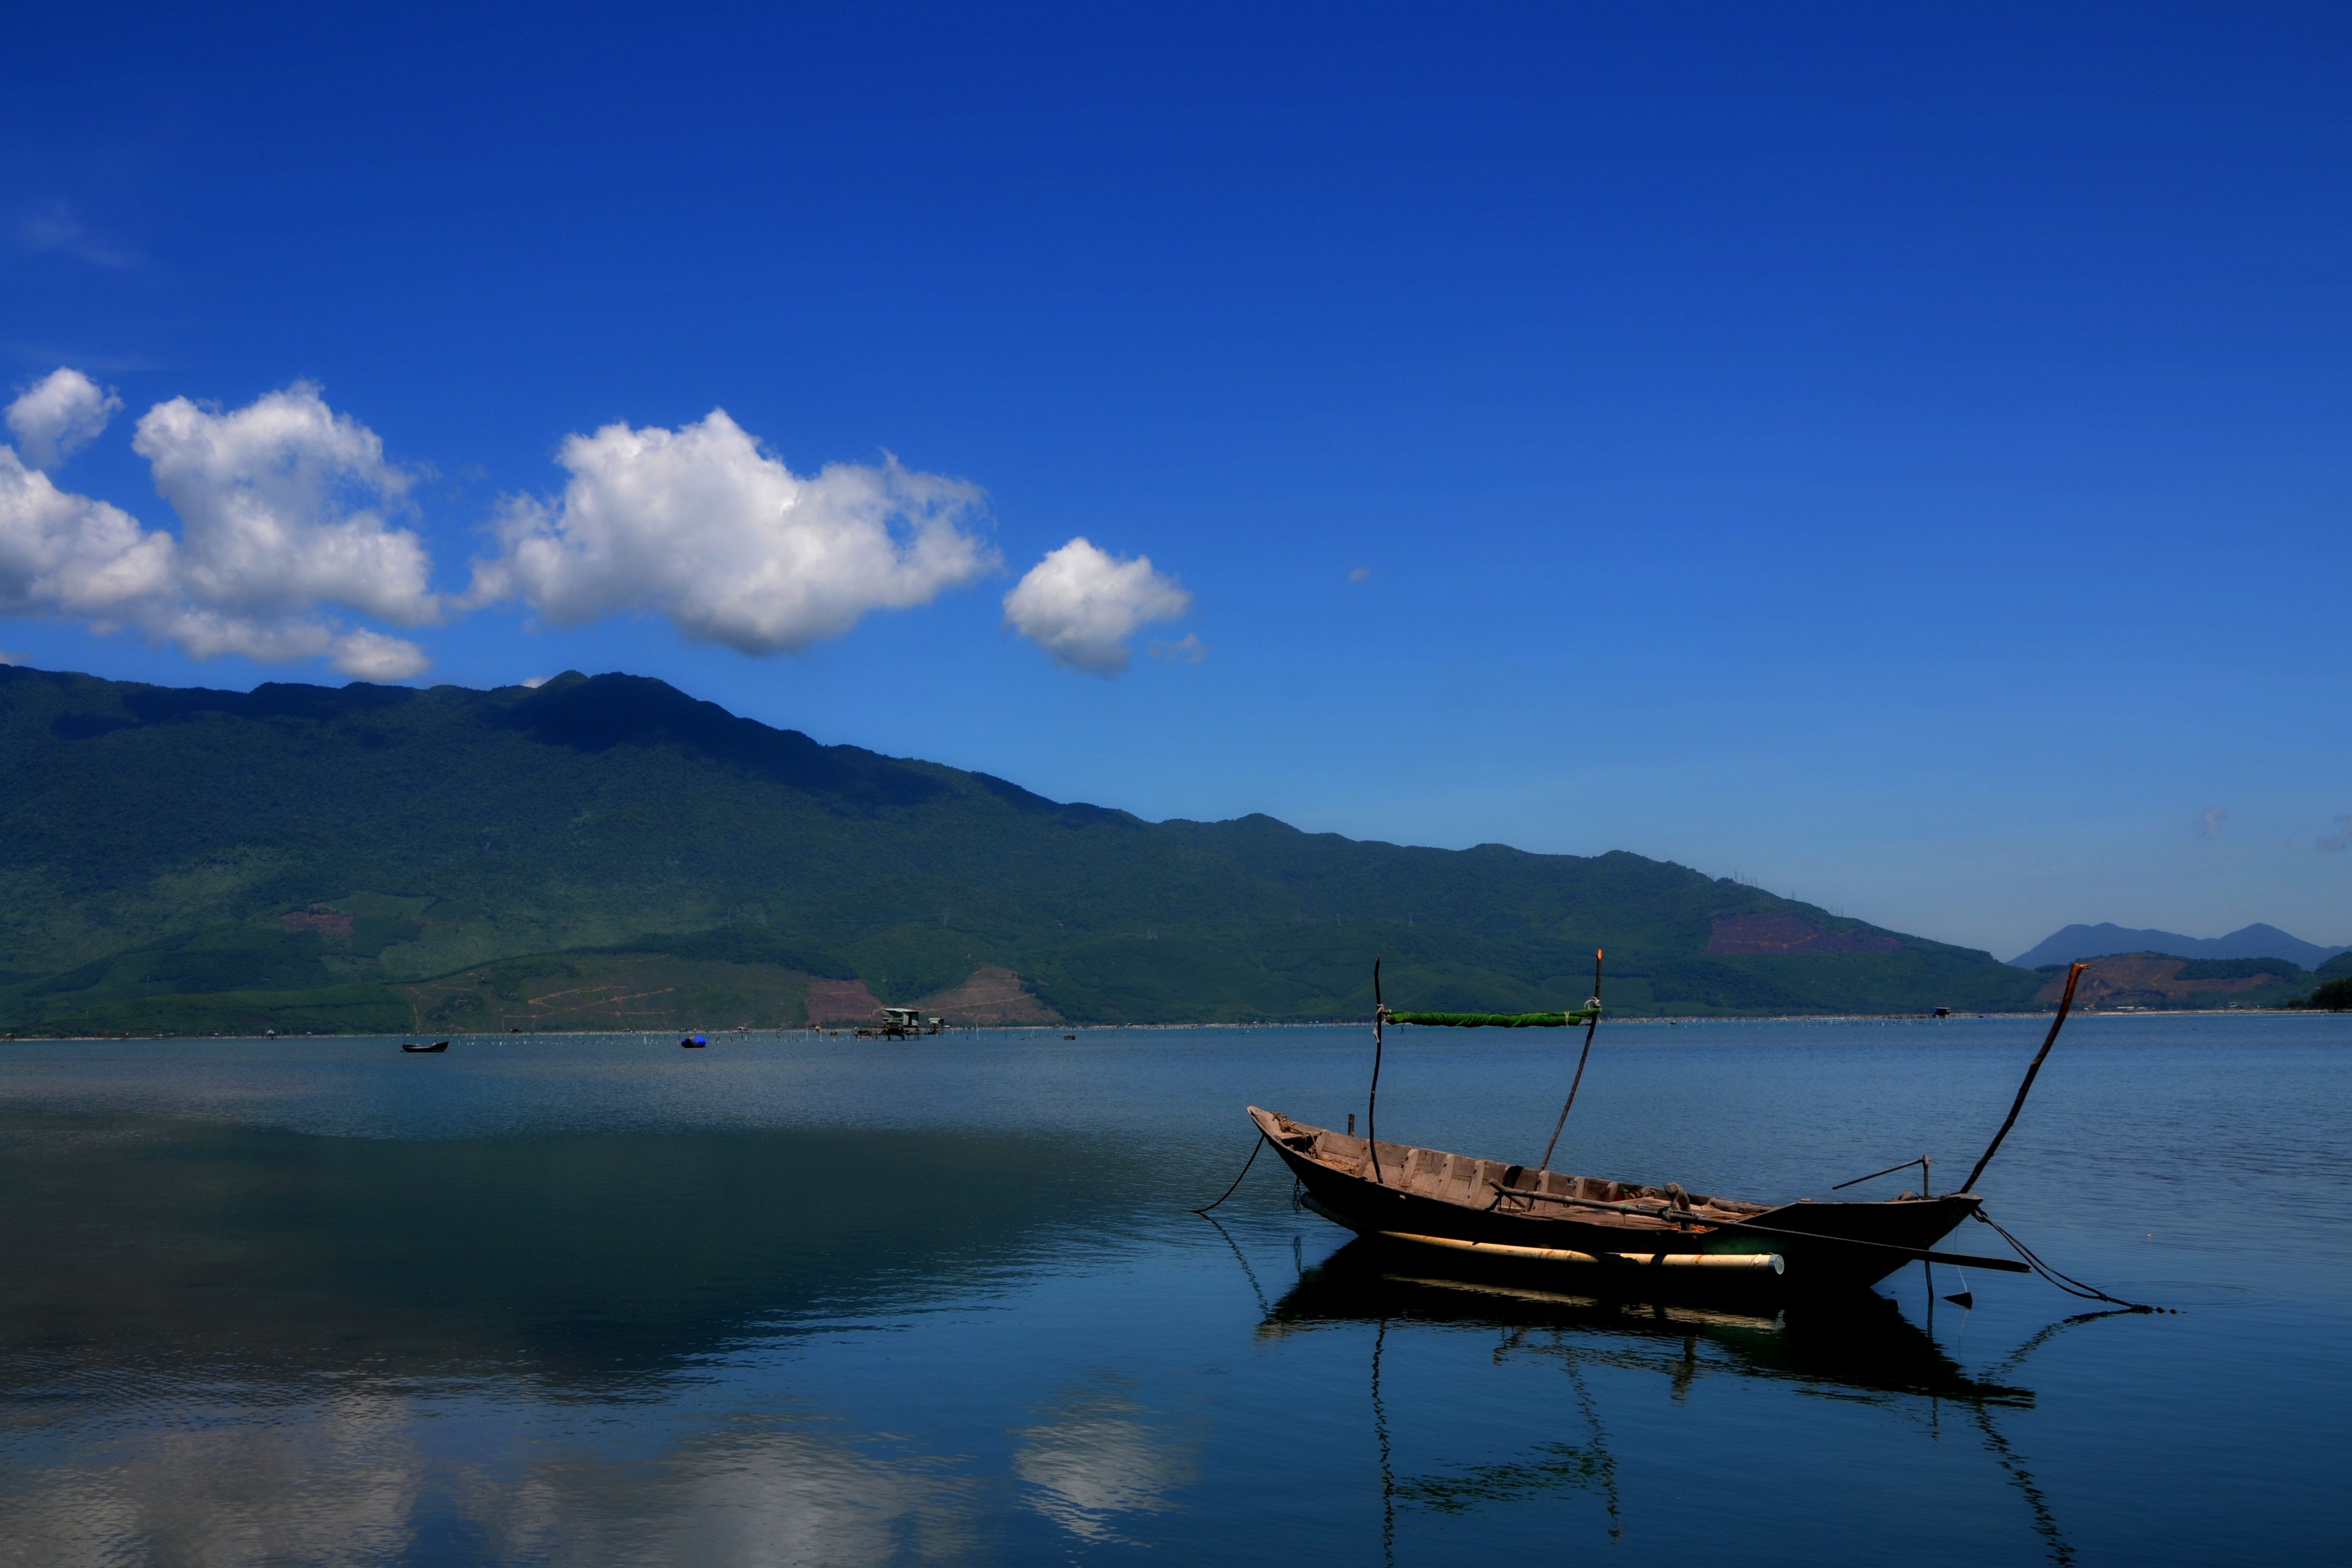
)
(1693, 1020)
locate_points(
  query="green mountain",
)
(611, 852)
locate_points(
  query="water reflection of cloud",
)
(351, 1479)
(789, 1496)
(333, 1484)
(1094, 1458)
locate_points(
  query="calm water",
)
(589, 1300)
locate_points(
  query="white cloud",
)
(2208, 822)
(269, 535)
(277, 508)
(704, 527)
(1081, 605)
(62, 553)
(58, 415)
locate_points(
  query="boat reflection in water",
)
(1857, 1347)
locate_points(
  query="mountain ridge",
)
(2106, 940)
(395, 858)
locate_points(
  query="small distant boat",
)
(693, 1043)
(424, 1050)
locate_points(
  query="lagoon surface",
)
(592, 1299)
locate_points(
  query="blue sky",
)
(1894, 453)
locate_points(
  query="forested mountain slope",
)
(610, 850)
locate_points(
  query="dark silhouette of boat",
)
(693, 1043)
(424, 1050)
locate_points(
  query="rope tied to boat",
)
(2067, 1282)
(1229, 1192)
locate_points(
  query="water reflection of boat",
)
(1857, 1347)
(1860, 1343)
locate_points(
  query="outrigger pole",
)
(1590, 1025)
(2064, 1004)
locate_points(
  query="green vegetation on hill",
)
(2334, 991)
(379, 857)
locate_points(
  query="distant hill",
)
(610, 852)
(2157, 981)
(2102, 941)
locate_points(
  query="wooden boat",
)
(424, 1050)
(1499, 1212)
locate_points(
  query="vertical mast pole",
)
(1371, 1127)
(1590, 1025)
(2064, 1003)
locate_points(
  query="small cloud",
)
(533, 683)
(2209, 823)
(56, 229)
(371, 656)
(8, 658)
(1081, 605)
(1186, 650)
(2336, 842)
(59, 415)
(704, 526)
(1361, 574)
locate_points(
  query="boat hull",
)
(1802, 1246)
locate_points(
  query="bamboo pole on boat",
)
(1372, 1126)
(1591, 1024)
(2065, 1002)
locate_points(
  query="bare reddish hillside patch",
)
(2146, 980)
(841, 1002)
(318, 918)
(1783, 931)
(992, 994)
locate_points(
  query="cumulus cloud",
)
(1081, 605)
(701, 525)
(59, 415)
(277, 504)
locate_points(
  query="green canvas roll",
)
(1491, 1020)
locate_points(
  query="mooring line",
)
(2067, 1282)
(1238, 1180)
